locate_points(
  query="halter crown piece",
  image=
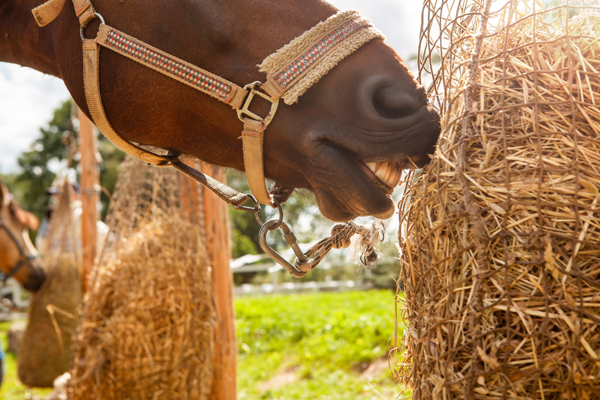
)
(290, 71)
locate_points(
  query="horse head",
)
(366, 112)
(16, 249)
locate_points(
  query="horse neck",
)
(22, 41)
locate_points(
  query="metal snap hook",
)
(255, 208)
(289, 237)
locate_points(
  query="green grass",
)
(323, 338)
(322, 341)
(12, 388)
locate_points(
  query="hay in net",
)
(46, 348)
(148, 320)
(501, 232)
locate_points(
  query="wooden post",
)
(90, 179)
(216, 220)
(190, 199)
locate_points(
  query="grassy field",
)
(314, 346)
(12, 388)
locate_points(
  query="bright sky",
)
(28, 98)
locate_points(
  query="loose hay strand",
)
(500, 239)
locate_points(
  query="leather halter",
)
(307, 58)
(24, 257)
(290, 72)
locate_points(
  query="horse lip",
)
(387, 175)
(358, 196)
(388, 190)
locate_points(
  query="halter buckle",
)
(243, 112)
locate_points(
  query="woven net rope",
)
(148, 320)
(500, 239)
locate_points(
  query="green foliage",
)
(324, 338)
(36, 174)
(112, 157)
(38, 166)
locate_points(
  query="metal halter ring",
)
(279, 221)
(255, 208)
(81, 27)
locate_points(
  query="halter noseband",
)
(24, 257)
(290, 71)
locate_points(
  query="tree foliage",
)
(47, 157)
(36, 165)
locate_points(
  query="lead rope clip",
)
(341, 235)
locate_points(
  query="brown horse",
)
(16, 250)
(367, 109)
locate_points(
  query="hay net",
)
(46, 347)
(62, 238)
(500, 238)
(148, 320)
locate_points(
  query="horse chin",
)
(345, 210)
(343, 189)
(352, 168)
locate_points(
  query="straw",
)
(148, 322)
(500, 240)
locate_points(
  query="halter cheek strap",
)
(290, 72)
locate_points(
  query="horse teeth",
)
(389, 172)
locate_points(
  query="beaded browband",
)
(290, 71)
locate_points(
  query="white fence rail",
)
(300, 287)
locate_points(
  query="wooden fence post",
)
(216, 220)
(90, 180)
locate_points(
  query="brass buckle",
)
(245, 110)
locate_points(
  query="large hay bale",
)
(148, 321)
(501, 233)
(46, 347)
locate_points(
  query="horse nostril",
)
(392, 103)
(379, 97)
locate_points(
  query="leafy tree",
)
(112, 157)
(48, 153)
